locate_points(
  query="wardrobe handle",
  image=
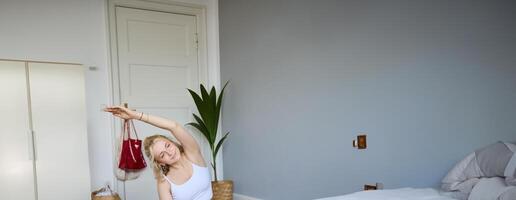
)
(32, 155)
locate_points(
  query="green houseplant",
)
(209, 105)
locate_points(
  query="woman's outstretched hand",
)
(121, 112)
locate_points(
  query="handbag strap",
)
(122, 135)
(134, 129)
(129, 123)
(110, 190)
(126, 130)
(127, 127)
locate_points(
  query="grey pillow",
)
(494, 158)
(510, 169)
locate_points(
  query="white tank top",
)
(198, 187)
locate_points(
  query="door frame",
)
(208, 74)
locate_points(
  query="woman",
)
(180, 170)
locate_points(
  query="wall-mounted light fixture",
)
(360, 142)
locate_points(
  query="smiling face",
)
(162, 153)
(165, 151)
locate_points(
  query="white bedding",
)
(395, 194)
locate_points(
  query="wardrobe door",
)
(16, 150)
(59, 122)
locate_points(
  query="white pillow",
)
(488, 189)
(463, 176)
(510, 194)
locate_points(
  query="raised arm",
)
(180, 133)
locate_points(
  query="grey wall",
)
(428, 81)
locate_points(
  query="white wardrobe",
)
(43, 138)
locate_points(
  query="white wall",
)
(76, 31)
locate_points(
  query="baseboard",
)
(243, 197)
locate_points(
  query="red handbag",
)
(131, 157)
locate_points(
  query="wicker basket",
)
(113, 196)
(222, 190)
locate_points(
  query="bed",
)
(395, 194)
(488, 173)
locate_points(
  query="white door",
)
(158, 61)
(57, 96)
(16, 152)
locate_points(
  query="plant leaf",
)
(220, 143)
(219, 101)
(213, 97)
(197, 99)
(208, 115)
(205, 111)
(209, 108)
(204, 129)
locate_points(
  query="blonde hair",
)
(158, 168)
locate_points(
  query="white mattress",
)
(394, 194)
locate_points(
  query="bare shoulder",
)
(195, 158)
(162, 183)
(164, 190)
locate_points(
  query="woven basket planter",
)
(222, 190)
